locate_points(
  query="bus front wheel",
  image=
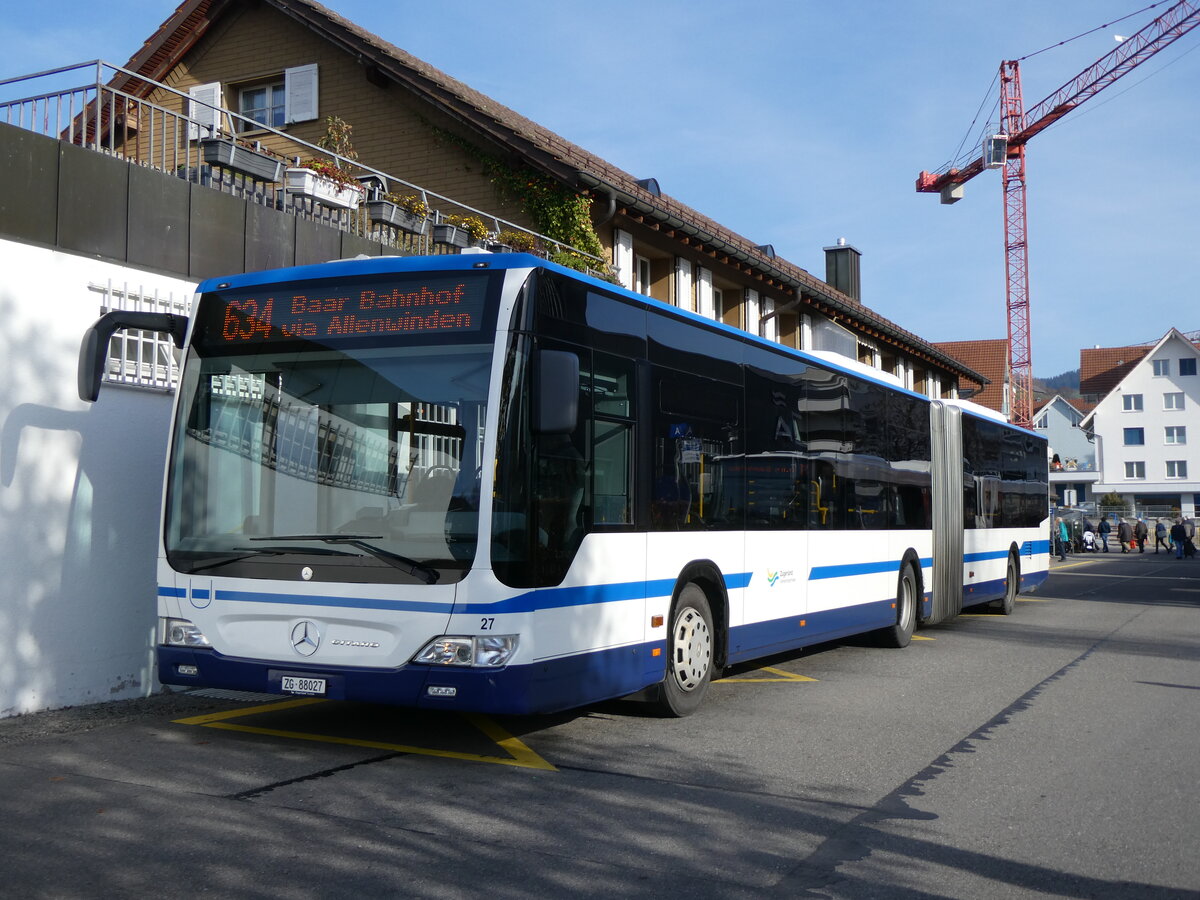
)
(690, 654)
(907, 591)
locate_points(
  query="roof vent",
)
(650, 186)
(767, 250)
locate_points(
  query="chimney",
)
(841, 269)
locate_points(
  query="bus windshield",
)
(358, 464)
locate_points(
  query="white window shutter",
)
(704, 293)
(204, 110)
(623, 257)
(300, 94)
(753, 323)
(683, 283)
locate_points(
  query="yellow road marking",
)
(782, 676)
(921, 637)
(519, 753)
(209, 718)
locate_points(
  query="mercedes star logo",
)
(306, 637)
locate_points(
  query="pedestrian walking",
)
(1178, 536)
(1062, 536)
(1125, 535)
(1140, 532)
(1105, 531)
(1160, 537)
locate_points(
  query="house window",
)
(1135, 470)
(1042, 422)
(1134, 436)
(1177, 468)
(1176, 434)
(641, 282)
(1187, 366)
(1132, 402)
(1162, 367)
(262, 104)
(280, 100)
(1173, 400)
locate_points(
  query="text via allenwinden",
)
(352, 324)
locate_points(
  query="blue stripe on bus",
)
(544, 598)
(818, 573)
(343, 602)
(986, 554)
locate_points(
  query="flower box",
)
(307, 183)
(385, 212)
(451, 235)
(226, 154)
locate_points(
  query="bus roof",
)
(480, 259)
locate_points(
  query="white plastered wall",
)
(80, 489)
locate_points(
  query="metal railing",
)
(136, 358)
(110, 113)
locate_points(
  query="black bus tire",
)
(907, 593)
(690, 646)
(1012, 587)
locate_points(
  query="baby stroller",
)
(1089, 542)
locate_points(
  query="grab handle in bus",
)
(94, 349)
(556, 392)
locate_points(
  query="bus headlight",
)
(181, 633)
(490, 651)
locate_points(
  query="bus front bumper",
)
(540, 687)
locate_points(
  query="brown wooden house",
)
(271, 71)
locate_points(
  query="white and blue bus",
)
(490, 483)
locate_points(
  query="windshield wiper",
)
(428, 574)
(240, 553)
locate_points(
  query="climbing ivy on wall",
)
(557, 211)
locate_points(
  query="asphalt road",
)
(1053, 753)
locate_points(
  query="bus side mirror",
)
(556, 392)
(94, 349)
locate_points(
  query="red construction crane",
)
(1007, 150)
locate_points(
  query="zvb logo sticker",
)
(784, 575)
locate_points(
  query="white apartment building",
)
(1147, 429)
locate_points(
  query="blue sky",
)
(797, 123)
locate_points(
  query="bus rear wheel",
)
(1012, 586)
(900, 634)
(690, 654)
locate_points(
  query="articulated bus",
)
(490, 483)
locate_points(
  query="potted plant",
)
(520, 241)
(460, 231)
(227, 153)
(408, 212)
(322, 181)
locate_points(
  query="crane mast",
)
(1007, 150)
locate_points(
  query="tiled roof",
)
(990, 359)
(1083, 406)
(536, 145)
(1102, 368)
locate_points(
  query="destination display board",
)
(327, 312)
